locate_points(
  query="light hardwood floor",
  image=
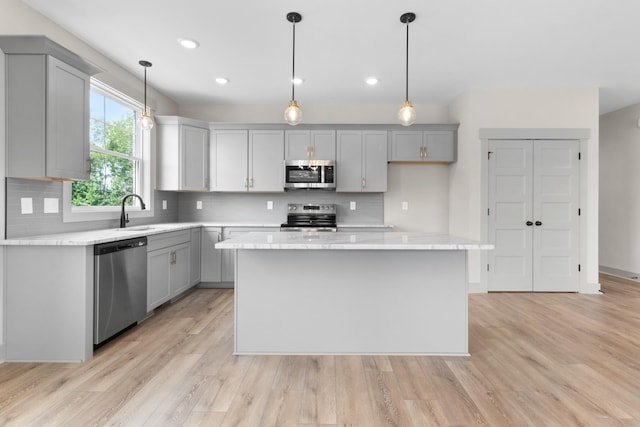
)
(537, 360)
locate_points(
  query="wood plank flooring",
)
(537, 360)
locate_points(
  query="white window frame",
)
(96, 213)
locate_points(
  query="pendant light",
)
(293, 114)
(407, 114)
(145, 121)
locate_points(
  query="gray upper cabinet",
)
(183, 154)
(247, 160)
(47, 108)
(423, 146)
(361, 161)
(310, 144)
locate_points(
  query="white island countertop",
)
(351, 241)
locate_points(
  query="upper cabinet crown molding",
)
(41, 45)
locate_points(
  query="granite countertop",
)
(93, 237)
(351, 241)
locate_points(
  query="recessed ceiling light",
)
(372, 81)
(222, 80)
(297, 80)
(188, 43)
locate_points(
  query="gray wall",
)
(252, 208)
(216, 207)
(20, 225)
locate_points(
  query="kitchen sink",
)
(136, 228)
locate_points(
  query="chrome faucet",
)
(125, 219)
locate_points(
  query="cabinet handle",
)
(246, 183)
(313, 152)
(251, 182)
(422, 152)
(364, 182)
(425, 152)
(172, 258)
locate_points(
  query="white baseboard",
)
(476, 288)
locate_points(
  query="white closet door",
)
(510, 207)
(533, 215)
(556, 235)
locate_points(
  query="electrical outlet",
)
(164, 205)
(352, 205)
(405, 206)
(199, 204)
(269, 204)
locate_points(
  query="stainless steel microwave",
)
(309, 174)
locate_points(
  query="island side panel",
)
(351, 302)
(49, 303)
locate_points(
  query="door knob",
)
(538, 222)
(529, 223)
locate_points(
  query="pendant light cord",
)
(145, 90)
(406, 96)
(293, 67)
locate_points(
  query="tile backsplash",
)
(181, 207)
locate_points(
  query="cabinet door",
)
(196, 249)
(406, 146)
(210, 258)
(297, 145)
(374, 161)
(349, 161)
(228, 160)
(180, 268)
(439, 146)
(266, 160)
(323, 144)
(194, 158)
(67, 135)
(158, 277)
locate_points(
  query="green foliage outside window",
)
(113, 162)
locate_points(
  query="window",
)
(119, 160)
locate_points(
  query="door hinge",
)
(579, 267)
(489, 155)
(579, 155)
(578, 211)
(487, 267)
(488, 213)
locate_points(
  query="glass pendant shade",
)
(145, 121)
(407, 114)
(293, 113)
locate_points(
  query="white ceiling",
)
(454, 45)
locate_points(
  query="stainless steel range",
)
(310, 217)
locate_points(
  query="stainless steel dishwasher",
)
(120, 298)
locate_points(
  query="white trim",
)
(146, 171)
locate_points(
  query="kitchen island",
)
(388, 293)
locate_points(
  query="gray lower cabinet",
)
(168, 266)
(196, 249)
(361, 161)
(423, 146)
(210, 257)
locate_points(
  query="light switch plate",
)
(51, 205)
(270, 204)
(352, 205)
(405, 206)
(26, 205)
(199, 204)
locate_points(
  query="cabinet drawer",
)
(159, 241)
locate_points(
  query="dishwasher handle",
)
(119, 245)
